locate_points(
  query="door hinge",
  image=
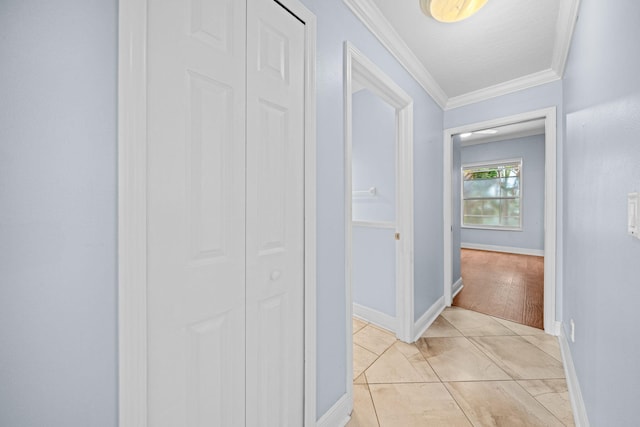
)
(397, 236)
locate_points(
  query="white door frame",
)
(132, 211)
(358, 67)
(550, 203)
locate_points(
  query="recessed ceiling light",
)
(451, 10)
(466, 134)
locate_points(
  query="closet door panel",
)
(196, 212)
(275, 215)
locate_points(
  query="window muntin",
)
(492, 195)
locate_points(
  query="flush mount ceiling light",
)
(451, 10)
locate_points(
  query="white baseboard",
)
(428, 318)
(376, 317)
(558, 328)
(506, 249)
(456, 288)
(338, 415)
(575, 395)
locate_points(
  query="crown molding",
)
(520, 83)
(367, 12)
(567, 18)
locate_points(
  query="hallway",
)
(467, 369)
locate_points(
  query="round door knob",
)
(275, 275)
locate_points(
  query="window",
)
(491, 195)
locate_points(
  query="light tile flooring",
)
(468, 369)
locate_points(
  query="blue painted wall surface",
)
(531, 151)
(374, 269)
(373, 283)
(602, 165)
(373, 157)
(535, 98)
(336, 24)
(58, 351)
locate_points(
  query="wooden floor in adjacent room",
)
(508, 286)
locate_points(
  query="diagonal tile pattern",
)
(468, 369)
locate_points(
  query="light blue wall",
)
(535, 98)
(58, 356)
(374, 269)
(335, 25)
(374, 165)
(373, 157)
(531, 150)
(602, 165)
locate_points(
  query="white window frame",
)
(489, 164)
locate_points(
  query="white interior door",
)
(225, 172)
(275, 215)
(196, 213)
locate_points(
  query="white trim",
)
(505, 249)
(567, 18)
(550, 238)
(132, 215)
(338, 415)
(580, 417)
(456, 288)
(558, 329)
(423, 323)
(374, 224)
(369, 14)
(520, 83)
(378, 318)
(310, 212)
(359, 67)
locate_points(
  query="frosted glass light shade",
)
(451, 10)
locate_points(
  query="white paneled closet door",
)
(225, 197)
(275, 215)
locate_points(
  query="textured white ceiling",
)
(506, 40)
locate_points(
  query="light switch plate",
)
(633, 213)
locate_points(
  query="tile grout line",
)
(373, 402)
(540, 403)
(457, 403)
(448, 384)
(426, 360)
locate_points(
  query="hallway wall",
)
(58, 315)
(602, 165)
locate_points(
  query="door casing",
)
(359, 68)
(132, 211)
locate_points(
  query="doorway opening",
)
(502, 206)
(498, 225)
(389, 232)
